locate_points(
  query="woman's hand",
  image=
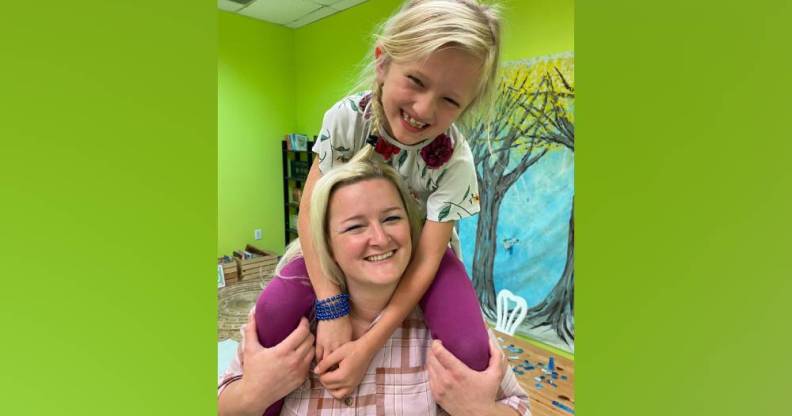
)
(268, 374)
(332, 334)
(460, 390)
(342, 370)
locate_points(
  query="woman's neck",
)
(366, 304)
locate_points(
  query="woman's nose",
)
(378, 235)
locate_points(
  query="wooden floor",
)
(551, 390)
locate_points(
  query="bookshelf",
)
(296, 164)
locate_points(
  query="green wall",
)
(273, 80)
(255, 108)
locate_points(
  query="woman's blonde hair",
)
(421, 27)
(360, 168)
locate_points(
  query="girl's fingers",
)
(330, 380)
(329, 361)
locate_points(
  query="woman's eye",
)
(415, 81)
(353, 228)
(393, 218)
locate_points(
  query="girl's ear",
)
(380, 63)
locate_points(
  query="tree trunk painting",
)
(532, 115)
(558, 308)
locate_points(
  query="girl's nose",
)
(424, 108)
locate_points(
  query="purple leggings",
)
(450, 308)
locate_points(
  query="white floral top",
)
(440, 172)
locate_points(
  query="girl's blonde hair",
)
(360, 168)
(421, 27)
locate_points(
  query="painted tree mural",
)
(532, 116)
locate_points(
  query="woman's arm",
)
(330, 334)
(258, 377)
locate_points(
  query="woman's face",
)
(369, 232)
(421, 99)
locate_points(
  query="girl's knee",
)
(472, 351)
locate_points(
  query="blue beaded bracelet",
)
(332, 308)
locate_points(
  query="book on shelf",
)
(296, 142)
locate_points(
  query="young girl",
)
(435, 61)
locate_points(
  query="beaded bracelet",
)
(333, 307)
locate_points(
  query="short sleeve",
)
(456, 195)
(234, 370)
(341, 134)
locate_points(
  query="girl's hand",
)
(460, 390)
(269, 374)
(332, 334)
(342, 370)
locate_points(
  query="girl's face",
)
(421, 99)
(369, 233)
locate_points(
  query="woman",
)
(364, 228)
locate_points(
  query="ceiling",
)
(289, 13)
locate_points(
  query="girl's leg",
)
(286, 299)
(453, 314)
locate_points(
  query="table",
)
(551, 391)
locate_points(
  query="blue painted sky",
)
(536, 211)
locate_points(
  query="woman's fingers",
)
(296, 338)
(251, 337)
(445, 358)
(498, 361)
(306, 348)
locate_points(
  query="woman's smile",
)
(371, 244)
(380, 257)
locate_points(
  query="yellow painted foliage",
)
(535, 95)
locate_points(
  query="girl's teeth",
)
(380, 257)
(413, 122)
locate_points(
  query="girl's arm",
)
(333, 333)
(354, 357)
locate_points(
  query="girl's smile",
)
(421, 99)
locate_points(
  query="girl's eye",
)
(415, 81)
(393, 218)
(452, 102)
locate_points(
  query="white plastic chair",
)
(510, 318)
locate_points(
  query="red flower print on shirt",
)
(438, 152)
(386, 149)
(362, 105)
